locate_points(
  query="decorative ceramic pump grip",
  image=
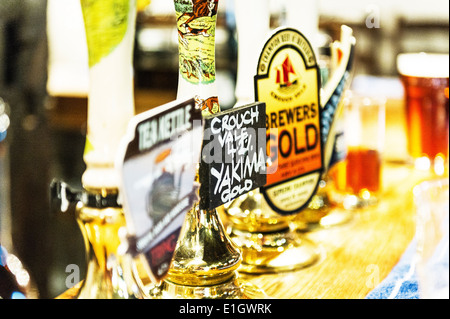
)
(196, 23)
(110, 29)
(205, 260)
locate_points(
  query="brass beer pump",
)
(320, 213)
(205, 262)
(270, 242)
(110, 29)
(266, 238)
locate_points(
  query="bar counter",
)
(356, 256)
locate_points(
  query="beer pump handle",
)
(342, 61)
(111, 100)
(303, 15)
(250, 15)
(332, 94)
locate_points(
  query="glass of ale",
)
(425, 78)
(356, 181)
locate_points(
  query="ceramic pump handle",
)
(253, 27)
(110, 29)
(303, 15)
(196, 24)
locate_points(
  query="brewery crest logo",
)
(288, 81)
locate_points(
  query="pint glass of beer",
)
(425, 78)
(356, 181)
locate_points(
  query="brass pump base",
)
(268, 242)
(234, 288)
(320, 213)
(205, 263)
(274, 252)
(109, 273)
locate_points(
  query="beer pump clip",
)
(264, 236)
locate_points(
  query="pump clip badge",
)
(288, 81)
(157, 163)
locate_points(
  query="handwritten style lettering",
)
(235, 155)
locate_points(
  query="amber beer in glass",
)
(360, 172)
(425, 78)
(357, 180)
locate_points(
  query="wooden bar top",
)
(358, 255)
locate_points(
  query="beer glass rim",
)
(423, 65)
(366, 100)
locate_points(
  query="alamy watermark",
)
(73, 275)
(373, 279)
(373, 17)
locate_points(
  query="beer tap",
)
(110, 29)
(205, 262)
(269, 239)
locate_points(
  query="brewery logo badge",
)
(288, 81)
(234, 159)
(157, 163)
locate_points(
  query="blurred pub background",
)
(43, 79)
